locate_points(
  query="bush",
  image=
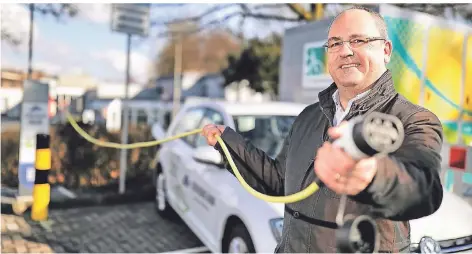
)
(76, 162)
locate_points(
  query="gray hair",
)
(379, 20)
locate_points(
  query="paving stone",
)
(130, 228)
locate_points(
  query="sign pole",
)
(177, 74)
(30, 42)
(130, 19)
(125, 121)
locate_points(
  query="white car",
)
(192, 184)
(450, 225)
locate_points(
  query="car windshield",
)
(265, 132)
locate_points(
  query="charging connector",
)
(375, 133)
(365, 136)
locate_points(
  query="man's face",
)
(359, 64)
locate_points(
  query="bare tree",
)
(59, 11)
(309, 12)
(205, 51)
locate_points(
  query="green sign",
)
(315, 61)
(314, 71)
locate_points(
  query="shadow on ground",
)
(127, 228)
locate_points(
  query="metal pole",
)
(177, 74)
(125, 121)
(30, 42)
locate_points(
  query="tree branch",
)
(194, 18)
(56, 10)
(204, 26)
(226, 18)
(244, 10)
(302, 13)
(271, 17)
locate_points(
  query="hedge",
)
(77, 163)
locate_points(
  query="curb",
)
(145, 194)
(131, 196)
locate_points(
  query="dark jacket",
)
(406, 186)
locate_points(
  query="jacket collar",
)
(380, 90)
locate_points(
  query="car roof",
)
(253, 108)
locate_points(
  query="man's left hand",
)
(338, 171)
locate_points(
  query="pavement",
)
(114, 228)
(125, 228)
(16, 233)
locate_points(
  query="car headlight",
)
(276, 225)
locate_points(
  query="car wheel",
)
(239, 241)
(162, 206)
(154, 176)
(154, 167)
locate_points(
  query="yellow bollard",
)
(42, 189)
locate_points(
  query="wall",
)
(10, 100)
(241, 92)
(107, 90)
(303, 72)
(140, 112)
(292, 60)
(166, 84)
(431, 67)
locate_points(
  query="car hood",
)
(448, 222)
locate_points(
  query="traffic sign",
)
(132, 19)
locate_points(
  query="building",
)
(11, 91)
(12, 78)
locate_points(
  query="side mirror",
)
(157, 131)
(208, 155)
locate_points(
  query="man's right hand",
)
(210, 131)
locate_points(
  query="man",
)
(402, 186)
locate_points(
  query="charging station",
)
(34, 120)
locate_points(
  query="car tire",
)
(154, 167)
(238, 240)
(154, 176)
(163, 207)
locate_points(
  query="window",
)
(141, 116)
(211, 117)
(265, 132)
(189, 122)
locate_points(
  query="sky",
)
(85, 44)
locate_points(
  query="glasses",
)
(335, 46)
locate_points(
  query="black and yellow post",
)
(42, 189)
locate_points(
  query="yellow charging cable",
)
(308, 191)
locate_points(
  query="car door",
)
(180, 153)
(203, 178)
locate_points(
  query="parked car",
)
(192, 184)
(450, 225)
